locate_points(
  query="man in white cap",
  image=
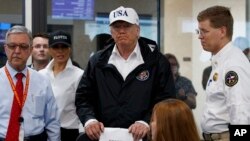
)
(122, 83)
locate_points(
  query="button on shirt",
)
(64, 86)
(39, 111)
(227, 104)
(126, 66)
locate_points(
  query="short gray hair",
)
(19, 29)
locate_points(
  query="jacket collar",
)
(148, 53)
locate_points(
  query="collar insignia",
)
(215, 77)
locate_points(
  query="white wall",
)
(28, 20)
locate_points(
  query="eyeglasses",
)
(22, 46)
(201, 32)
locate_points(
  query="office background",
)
(171, 23)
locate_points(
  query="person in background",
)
(64, 78)
(228, 100)
(183, 86)
(3, 57)
(205, 75)
(173, 120)
(76, 64)
(100, 41)
(40, 51)
(28, 107)
(122, 83)
(243, 44)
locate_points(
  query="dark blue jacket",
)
(102, 93)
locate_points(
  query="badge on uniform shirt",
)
(142, 76)
(215, 76)
(231, 78)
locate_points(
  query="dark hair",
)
(76, 64)
(43, 35)
(101, 41)
(218, 16)
(171, 56)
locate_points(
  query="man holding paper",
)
(124, 81)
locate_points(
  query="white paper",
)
(116, 134)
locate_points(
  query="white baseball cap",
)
(241, 42)
(124, 14)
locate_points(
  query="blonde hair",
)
(174, 121)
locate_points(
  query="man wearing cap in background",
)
(64, 78)
(122, 83)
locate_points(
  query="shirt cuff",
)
(88, 122)
(143, 122)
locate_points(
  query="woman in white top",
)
(64, 78)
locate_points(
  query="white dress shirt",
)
(126, 66)
(64, 86)
(39, 111)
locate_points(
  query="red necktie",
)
(14, 123)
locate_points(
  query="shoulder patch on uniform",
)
(142, 76)
(231, 78)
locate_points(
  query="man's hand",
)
(94, 130)
(138, 130)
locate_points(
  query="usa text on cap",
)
(124, 14)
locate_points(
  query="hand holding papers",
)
(116, 134)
